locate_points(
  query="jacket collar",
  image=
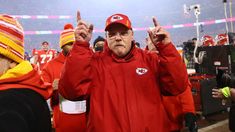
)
(31, 80)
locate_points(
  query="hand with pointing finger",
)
(158, 34)
(83, 31)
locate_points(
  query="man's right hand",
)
(190, 122)
(83, 31)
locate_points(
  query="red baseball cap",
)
(118, 18)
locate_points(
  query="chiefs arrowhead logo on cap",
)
(118, 18)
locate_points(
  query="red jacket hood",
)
(32, 80)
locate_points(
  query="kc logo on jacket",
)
(141, 71)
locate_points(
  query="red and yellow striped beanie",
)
(11, 38)
(67, 35)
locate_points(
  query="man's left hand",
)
(158, 34)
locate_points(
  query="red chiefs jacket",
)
(32, 80)
(178, 106)
(125, 93)
(62, 122)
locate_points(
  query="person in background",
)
(125, 84)
(188, 49)
(41, 57)
(26, 56)
(231, 37)
(149, 45)
(180, 109)
(194, 40)
(68, 116)
(98, 44)
(226, 92)
(137, 44)
(23, 93)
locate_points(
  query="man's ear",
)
(132, 34)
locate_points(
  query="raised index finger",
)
(78, 16)
(155, 22)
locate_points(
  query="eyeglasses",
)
(122, 34)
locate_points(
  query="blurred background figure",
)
(27, 56)
(149, 45)
(137, 44)
(222, 39)
(188, 48)
(68, 116)
(41, 57)
(226, 92)
(207, 40)
(188, 51)
(98, 44)
(231, 37)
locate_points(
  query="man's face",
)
(45, 46)
(66, 48)
(4, 64)
(99, 46)
(119, 39)
(194, 42)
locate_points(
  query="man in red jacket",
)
(67, 116)
(125, 84)
(41, 57)
(23, 93)
(179, 108)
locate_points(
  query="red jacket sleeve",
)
(173, 74)
(186, 99)
(177, 106)
(48, 77)
(72, 85)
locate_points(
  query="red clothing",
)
(125, 93)
(23, 106)
(63, 122)
(32, 80)
(178, 106)
(45, 56)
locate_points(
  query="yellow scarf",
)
(21, 69)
